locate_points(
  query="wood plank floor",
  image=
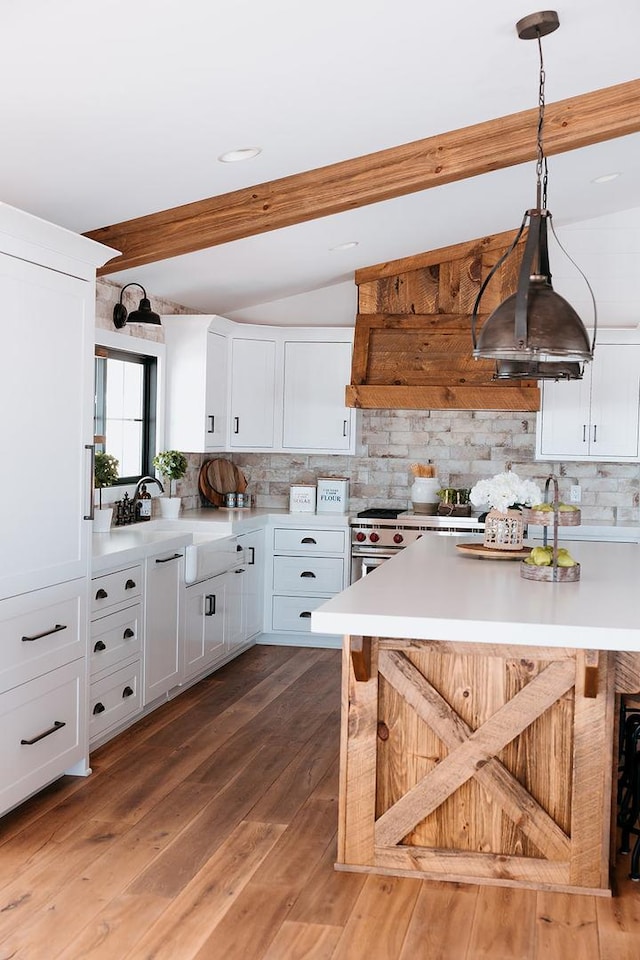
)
(208, 831)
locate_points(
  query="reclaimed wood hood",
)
(412, 345)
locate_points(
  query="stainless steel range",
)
(377, 535)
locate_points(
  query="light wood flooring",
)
(208, 831)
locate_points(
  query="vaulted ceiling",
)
(403, 127)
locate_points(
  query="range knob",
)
(398, 538)
(360, 536)
(374, 537)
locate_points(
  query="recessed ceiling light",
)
(606, 177)
(348, 245)
(243, 153)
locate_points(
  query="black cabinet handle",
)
(305, 614)
(100, 645)
(99, 708)
(238, 548)
(210, 608)
(175, 556)
(212, 421)
(130, 585)
(308, 573)
(57, 725)
(236, 424)
(101, 594)
(239, 570)
(344, 428)
(46, 633)
(307, 540)
(128, 634)
(127, 692)
(252, 556)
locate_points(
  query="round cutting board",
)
(491, 553)
(218, 477)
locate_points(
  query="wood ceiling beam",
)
(493, 145)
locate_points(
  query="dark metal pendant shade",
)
(554, 331)
(144, 313)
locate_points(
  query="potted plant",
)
(172, 465)
(105, 474)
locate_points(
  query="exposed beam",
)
(569, 124)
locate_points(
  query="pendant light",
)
(535, 332)
(144, 313)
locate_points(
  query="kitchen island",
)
(479, 715)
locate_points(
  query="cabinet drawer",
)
(293, 614)
(40, 631)
(309, 541)
(115, 638)
(41, 731)
(114, 699)
(308, 574)
(115, 588)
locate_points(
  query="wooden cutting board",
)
(218, 477)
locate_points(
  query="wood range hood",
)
(412, 346)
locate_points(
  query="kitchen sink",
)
(208, 556)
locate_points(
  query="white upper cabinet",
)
(253, 393)
(234, 386)
(196, 417)
(314, 414)
(47, 290)
(598, 417)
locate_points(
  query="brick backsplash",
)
(464, 446)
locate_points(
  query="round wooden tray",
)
(492, 553)
(566, 518)
(546, 574)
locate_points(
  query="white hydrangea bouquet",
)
(505, 491)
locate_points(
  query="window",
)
(125, 409)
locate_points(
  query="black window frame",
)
(149, 404)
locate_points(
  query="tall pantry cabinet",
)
(47, 304)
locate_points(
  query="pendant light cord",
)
(542, 172)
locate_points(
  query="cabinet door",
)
(253, 370)
(615, 401)
(315, 377)
(215, 426)
(46, 380)
(234, 613)
(164, 575)
(253, 583)
(204, 631)
(564, 417)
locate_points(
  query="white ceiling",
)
(118, 108)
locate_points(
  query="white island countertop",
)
(433, 591)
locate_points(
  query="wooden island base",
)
(478, 763)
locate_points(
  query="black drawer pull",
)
(239, 570)
(305, 613)
(99, 708)
(212, 424)
(101, 594)
(128, 634)
(252, 556)
(130, 585)
(210, 608)
(307, 540)
(175, 556)
(57, 725)
(127, 692)
(100, 645)
(46, 633)
(308, 573)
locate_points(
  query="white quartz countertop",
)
(133, 543)
(432, 591)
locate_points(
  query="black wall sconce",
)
(144, 313)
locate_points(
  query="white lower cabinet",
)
(204, 625)
(309, 565)
(42, 731)
(254, 554)
(164, 577)
(115, 651)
